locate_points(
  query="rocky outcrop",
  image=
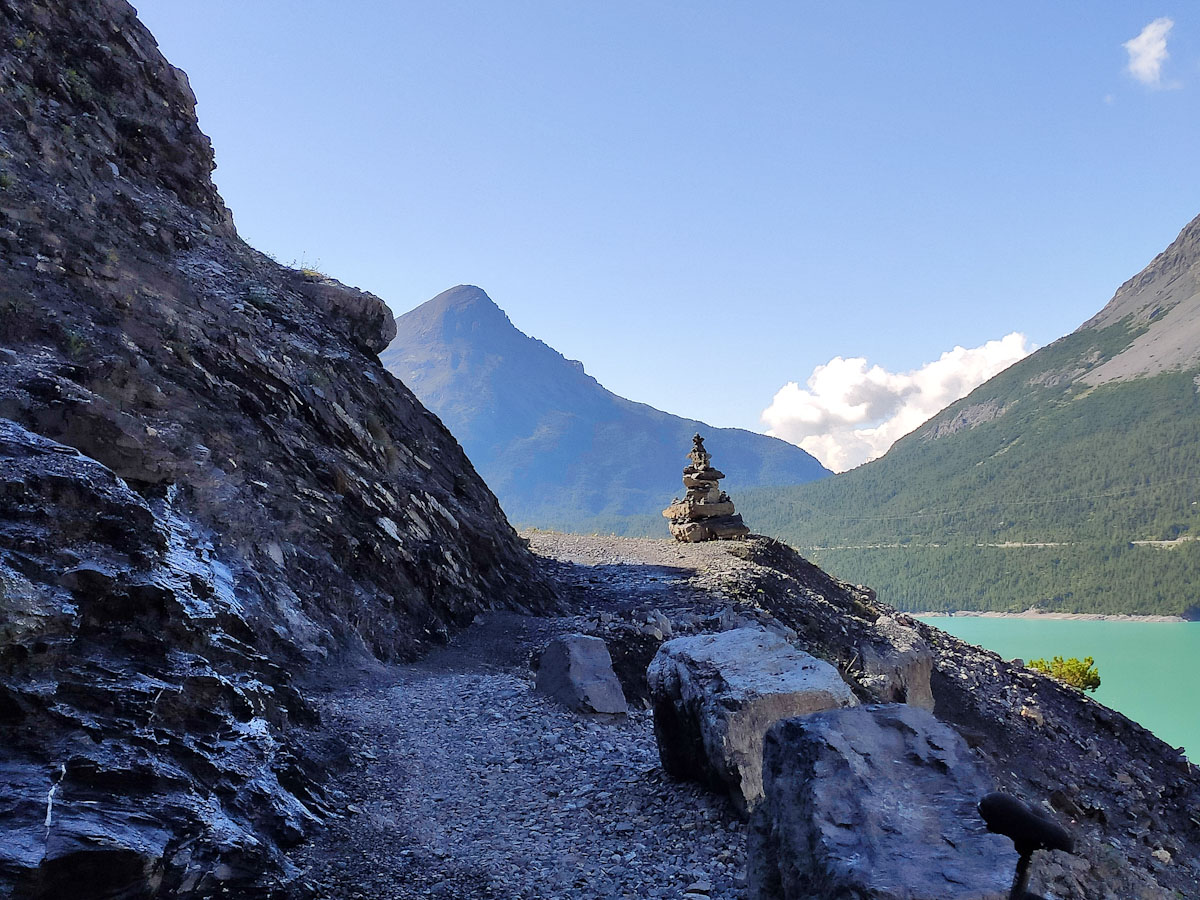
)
(1162, 304)
(577, 671)
(715, 696)
(209, 488)
(706, 512)
(362, 317)
(135, 711)
(876, 803)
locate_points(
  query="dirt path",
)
(467, 783)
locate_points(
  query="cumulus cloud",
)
(852, 412)
(1148, 52)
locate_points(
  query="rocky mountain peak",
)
(461, 314)
(462, 297)
(1171, 277)
(1161, 308)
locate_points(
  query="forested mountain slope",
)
(1056, 484)
(558, 449)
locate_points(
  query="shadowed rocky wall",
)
(209, 486)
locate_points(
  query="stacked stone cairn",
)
(706, 512)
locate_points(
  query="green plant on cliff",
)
(79, 87)
(1079, 674)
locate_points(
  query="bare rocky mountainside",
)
(209, 486)
(1066, 482)
(560, 450)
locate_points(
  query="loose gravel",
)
(465, 782)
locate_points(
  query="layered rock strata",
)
(705, 513)
(209, 488)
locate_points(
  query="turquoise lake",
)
(1150, 671)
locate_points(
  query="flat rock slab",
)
(715, 696)
(577, 671)
(874, 803)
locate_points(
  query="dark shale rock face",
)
(209, 486)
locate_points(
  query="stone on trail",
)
(577, 671)
(715, 696)
(899, 665)
(875, 803)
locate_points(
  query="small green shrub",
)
(259, 298)
(310, 270)
(78, 86)
(75, 343)
(1079, 674)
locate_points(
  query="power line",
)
(1116, 492)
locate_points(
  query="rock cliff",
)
(210, 488)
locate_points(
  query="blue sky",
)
(704, 201)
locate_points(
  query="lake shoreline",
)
(1047, 616)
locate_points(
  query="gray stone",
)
(898, 666)
(577, 671)
(874, 803)
(715, 696)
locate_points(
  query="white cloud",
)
(1148, 52)
(851, 412)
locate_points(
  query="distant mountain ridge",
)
(1058, 483)
(559, 449)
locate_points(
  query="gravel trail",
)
(465, 782)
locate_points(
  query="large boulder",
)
(577, 671)
(715, 696)
(874, 803)
(898, 664)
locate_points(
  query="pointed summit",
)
(461, 297)
(558, 449)
(461, 309)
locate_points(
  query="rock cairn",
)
(706, 512)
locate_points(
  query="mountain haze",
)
(1069, 481)
(560, 450)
